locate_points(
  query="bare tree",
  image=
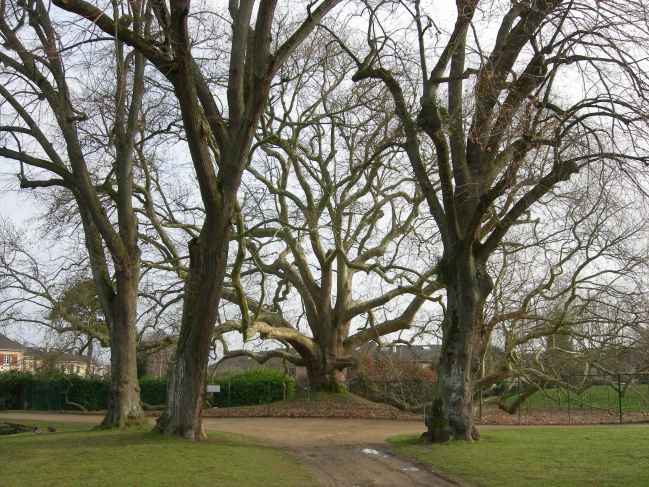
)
(332, 250)
(53, 291)
(254, 60)
(36, 88)
(569, 294)
(505, 132)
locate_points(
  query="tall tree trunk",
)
(324, 369)
(183, 412)
(120, 312)
(468, 285)
(124, 408)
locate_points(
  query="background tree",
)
(36, 87)
(513, 132)
(331, 221)
(569, 293)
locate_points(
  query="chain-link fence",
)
(571, 400)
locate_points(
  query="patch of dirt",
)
(328, 405)
(317, 405)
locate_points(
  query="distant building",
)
(158, 364)
(421, 355)
(15, 356)
(11, 354)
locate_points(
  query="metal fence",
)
(355, 399)
(575, 399)
(571, 400)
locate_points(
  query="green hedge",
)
(251, 388)
(12, 384)
(40, 392)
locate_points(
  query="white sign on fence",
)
(211, 388)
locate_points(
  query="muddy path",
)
(340, 452)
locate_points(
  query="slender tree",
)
(36, 88)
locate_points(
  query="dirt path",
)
(332, 448)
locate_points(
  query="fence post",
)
(229, 399)
(59, 382)
(519, 402)
(268, 413)
(308, 398)
(347, 398)
(480, 384)
(619, 394)
(385, 398)
(84, 394)
(568, 382)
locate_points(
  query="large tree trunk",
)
(468, 285)
(120, 312)
(324, 370)
(183, 412)
(124, 408)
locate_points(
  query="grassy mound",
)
(318, 405)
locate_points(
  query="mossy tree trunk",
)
(468, 285)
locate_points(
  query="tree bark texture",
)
(183, 412)
(124, 408)
(468, 285)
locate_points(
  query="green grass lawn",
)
(77, 455)
(550, 457)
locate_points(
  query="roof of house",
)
(247, 363)
(10, 345)
(57, 356)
